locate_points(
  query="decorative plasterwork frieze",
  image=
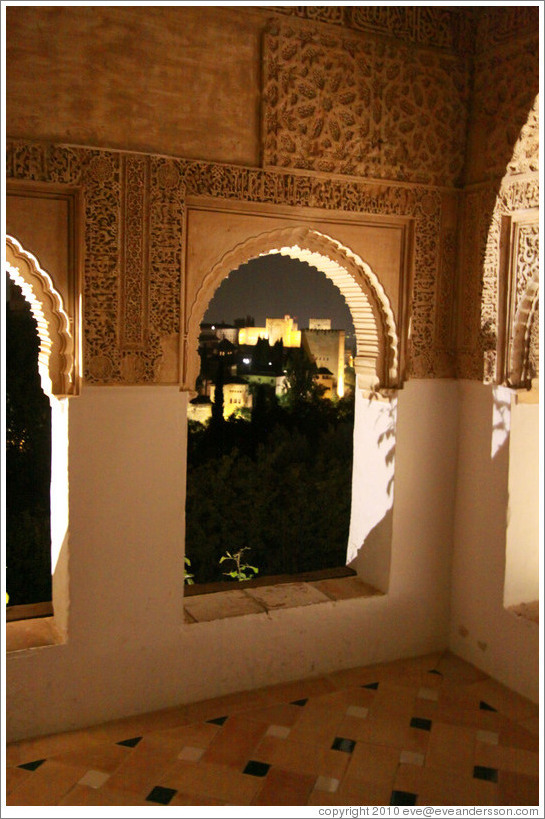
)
(519, 288)
(487, 263)
(134, 294)
(362, 106)
(430, 26)
(56, 359)
(463, 29)
(161, 190)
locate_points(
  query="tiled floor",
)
(427, 731)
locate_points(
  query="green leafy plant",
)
(188, 578)
(242, 571)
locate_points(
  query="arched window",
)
(56, 361)
(378, 374)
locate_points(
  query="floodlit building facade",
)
(153, 150)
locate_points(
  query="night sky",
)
(275, 286)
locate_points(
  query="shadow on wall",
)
(371, 525)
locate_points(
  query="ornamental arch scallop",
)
(377, 358)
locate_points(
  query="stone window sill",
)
(250, 598)
(32, 633)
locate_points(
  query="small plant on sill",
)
(188, 578)
(242, 571)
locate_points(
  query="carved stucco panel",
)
(362, 106)
(504, 135)
(160, 185)
(480, 263)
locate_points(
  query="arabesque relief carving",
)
(426, 25)
(100, 175)
(460, 29)
(505, 130)
(480, 336)
(362, 106)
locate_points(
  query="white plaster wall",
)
(522, 547)
(482, 631)
(128, 650)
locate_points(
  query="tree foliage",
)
(281, 486)
(28, 465)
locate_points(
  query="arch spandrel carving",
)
(57, 358)
(519, 373)
(377, 359)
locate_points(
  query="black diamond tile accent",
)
(374, 686)
(130, 743)
(488, 774)
(484, 706)
(160, 795)
(31, 766)
(256, 768)
(403, 798)
(299, 702)
(217, 720)
(343, 744)
(420, 722)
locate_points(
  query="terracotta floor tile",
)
(107, 757)
(441, 787)
(416, 740)
(487, 755)
(334, 764)
(408, 778)
(317, 724)
(15, 777)
(515, 736)
(372, 763)
(451, 748)
(363, 793)
(383, 758)
(275, 714)
(531, 724)
(199, 734)
(140, 724)
(378, 730)
(518, 789)
(508, 703)
(285, 788)
(518, 760)
(456, 670)
(234, 742)
(394, 700)
(485, 793)
(81, 795)
(206, 779)
(345, 697)
(47, 785)
(28, 750)
(299, 757)
(142, 769)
